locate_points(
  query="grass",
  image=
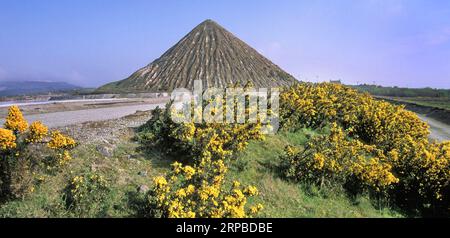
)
(286, 199)
(124, 172)
(428, 97)
(129, 168)
(403, 92)
(442, 103)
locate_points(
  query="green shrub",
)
(87, 195)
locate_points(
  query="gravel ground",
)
(65, 118)
(108, 131)
(31, 108)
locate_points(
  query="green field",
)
(427, 97)
(437, 102)
(403, 92)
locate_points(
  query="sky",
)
(91, 42)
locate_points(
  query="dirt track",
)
(439, 130)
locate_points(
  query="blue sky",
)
(91, 42)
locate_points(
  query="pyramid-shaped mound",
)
(209, 53)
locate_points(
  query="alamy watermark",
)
(227, 105)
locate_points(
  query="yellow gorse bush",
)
(7, 139)
(373, 173)
(37, 132)
(335, 158)
(381, 146)
(61, 144)
(198, 140)
(60, 141)
(15, 120)
(375, 122)
(426, 166)
(215, 140)
(15, 141)
(199, 192)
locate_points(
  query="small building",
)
(336, 81)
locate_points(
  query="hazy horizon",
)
(403, 43)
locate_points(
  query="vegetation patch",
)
(339, 153)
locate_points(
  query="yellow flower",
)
(15, 120)
(37, 132)
(251, 191)
(189, 172)
(189, 214)
(181, 193)
(319, 161)
(176, 166)
(190, 189)
(160, 182)
(201, 195)
(64, 158)
(7, 139)
(236, 184)
(256, 209)
(60, 141)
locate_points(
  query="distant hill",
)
(18, 88)
(209, 53)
